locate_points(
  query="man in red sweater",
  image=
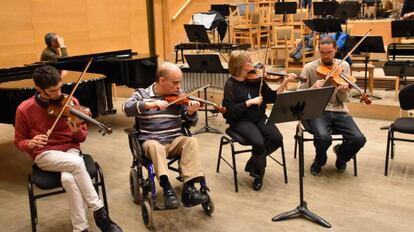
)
(60, 152)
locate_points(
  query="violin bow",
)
(264, 63)
(188, 94)
(69, 97)
(333, 70)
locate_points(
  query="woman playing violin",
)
(60, 151)
(160, 131)
(246, 112)
(336, 117)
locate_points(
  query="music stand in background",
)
(367, 3)
(298, 106)
(324, 9)
(196, 33)
(402, 70)
(371, 44)
(347, 10)
(285, 8)
(205, 63)
(324, 25)
(402, 28)
(223, 9)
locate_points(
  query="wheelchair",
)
(142, 183)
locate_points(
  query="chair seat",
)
(49, 180)
(235, 136)
(404, 125)
(362, 65)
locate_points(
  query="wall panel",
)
(88, 26)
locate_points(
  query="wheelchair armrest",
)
(186, 128)
(130, 131)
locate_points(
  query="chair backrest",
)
(300, 15)
(282, 33)
(265, 13)
(406, 97)
(255, 18)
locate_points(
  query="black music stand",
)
(371, 44)
(403, 71)
(285, 8)
(324, 9)
(402, 28)
(196, 33)
(223, 9)
(367, 3)
(347, 10)
(327, 25)
(297, 106)
(205, 63)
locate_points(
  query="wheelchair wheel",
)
(134, 186)
(208, 206)
(147, 213)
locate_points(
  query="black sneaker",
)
(104, 223)
(257, 183)
(191, 197)
(315, 168)
(170, 199)
(339, 164)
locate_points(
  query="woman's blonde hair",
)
(237, 60)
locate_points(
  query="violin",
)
(253, 76)
(338, 77)
(75, 114)
(184, 99)
(335, 72)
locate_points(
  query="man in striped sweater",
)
(161, 135)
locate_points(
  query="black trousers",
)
(264, 138)
(330, 123)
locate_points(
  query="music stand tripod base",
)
(302, 211)
(298, 106)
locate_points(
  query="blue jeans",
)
(330, 123)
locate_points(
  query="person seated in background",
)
(407, 11)
(60, 152)
(161, 135)
(55, 48)
(303, 46)
(246, 113)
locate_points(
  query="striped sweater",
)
(160, 125)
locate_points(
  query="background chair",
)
(50, 181)
(335, 137)
(283, 40)
(236, 138)
(403, 125)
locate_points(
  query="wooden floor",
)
(368, 202)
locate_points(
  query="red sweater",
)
(32, 119)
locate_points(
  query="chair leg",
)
(284, 163)
(392, 145)
(32, 204)
(355, 165)
(219, 154)
(296, 148)
(103, 188)
(233, 157)
(387, 154)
